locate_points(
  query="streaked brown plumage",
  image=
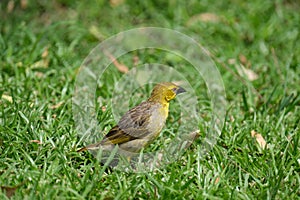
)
(141, 124)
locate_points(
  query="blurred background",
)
(262, 36)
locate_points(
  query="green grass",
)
(43, 45)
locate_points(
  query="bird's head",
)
(165, 92)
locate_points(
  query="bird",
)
(142, 124)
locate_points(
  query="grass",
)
(42, 46)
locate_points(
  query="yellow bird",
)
(142, 124)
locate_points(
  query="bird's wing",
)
(133, 125)
(116, 136)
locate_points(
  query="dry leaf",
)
(24, 4)
(217, 180)
(203, 17)
(231, 61)
(7, 98)
(103, 108)
(39, 74)
(259, 138)
(115, 3)
(251, 75)
(45, 53)
(36, 141)
(121, 67)
(9, 191)
(209, 17)
(243, 59)
(56, 105)
(10, 6)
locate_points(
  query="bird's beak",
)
(180, 90)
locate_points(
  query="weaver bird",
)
(141, 124)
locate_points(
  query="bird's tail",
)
(95, 146)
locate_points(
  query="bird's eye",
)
(174, 89)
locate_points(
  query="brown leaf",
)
(9, 191)
(114, 3)
(56, 105)
(203, 17)
(103, 108)
(39, 74)
(121, 67)
(231, 61)
(259, 138)
(36, 141)
(24, 4)
(251, 75)
(243, 59)
(45, 53)
(217, 180)
(10, 6)
(209, 17)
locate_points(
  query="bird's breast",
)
(157, 120)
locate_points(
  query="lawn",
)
(255, 48)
